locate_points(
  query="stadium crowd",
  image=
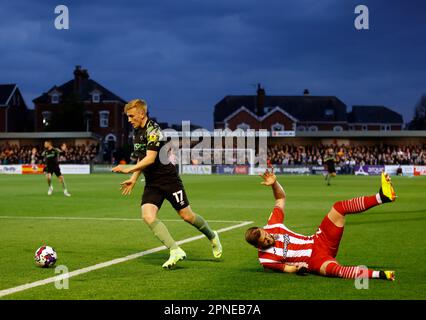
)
(30, 154)
(283, 154)
(347, 155)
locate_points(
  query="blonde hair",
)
(136, 103)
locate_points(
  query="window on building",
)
(385, 127)
(338, 128)
(351, 127)
(47, 118)
(243, 126)
(277, 127)
(329, 113)
(104, 119)
(55, 98)
(313, 128)
(301, 128)
(88, 116)
(96, 98)
(364, 127)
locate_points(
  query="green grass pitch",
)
(386, 237)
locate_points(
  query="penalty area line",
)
(98, 266)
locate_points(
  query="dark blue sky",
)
(184, 56)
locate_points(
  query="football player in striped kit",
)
(283, 250)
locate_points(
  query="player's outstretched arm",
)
(141, 165)
(128, 185)
(270, 179)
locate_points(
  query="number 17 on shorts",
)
(180, 198)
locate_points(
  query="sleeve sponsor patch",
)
(153, 137)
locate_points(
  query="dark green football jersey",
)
(150, 138)
(51, 157)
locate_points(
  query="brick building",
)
(301, 113)
(82, 104)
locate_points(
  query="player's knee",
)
(338, 207)
(148, 217)
(187, 216)
(329, 268)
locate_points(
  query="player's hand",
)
(64, 147)
(268, 177)
(127, 187)
(120, 169)
(301, 271)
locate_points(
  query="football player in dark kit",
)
(50, 155)
(161, 182)
(329, 165)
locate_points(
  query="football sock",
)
(357, 205)
(203, 226)
(160, 231)
(351, 272)
(64, 186)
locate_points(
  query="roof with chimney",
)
(373, 114)
(303, 108)
(6, 92)
(81, 85)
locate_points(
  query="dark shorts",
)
(331, 168)
(174, 192)
(56, 170)
(326, 244)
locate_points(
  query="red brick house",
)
(82, 104)
(14, 114)
(300, 113)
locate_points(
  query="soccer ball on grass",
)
(45, 256)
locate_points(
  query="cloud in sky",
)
(184, 56)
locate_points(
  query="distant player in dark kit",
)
(50, 155)
(329, 160)
(283, 250)
(161, 182)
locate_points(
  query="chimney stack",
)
(260, 101)
(80, 78)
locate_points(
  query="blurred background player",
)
(329, 161)
(161, 182)
(283, 250)
(50, 156)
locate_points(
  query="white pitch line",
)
(74, 273)
(104, 219)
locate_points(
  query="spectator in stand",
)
(348, 156)
(30, 154)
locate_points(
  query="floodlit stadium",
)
(222, 151)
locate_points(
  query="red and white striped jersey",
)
(289, 248)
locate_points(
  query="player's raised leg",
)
(360, 204)
(201, 224)
(149, 215)
(337, 214)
